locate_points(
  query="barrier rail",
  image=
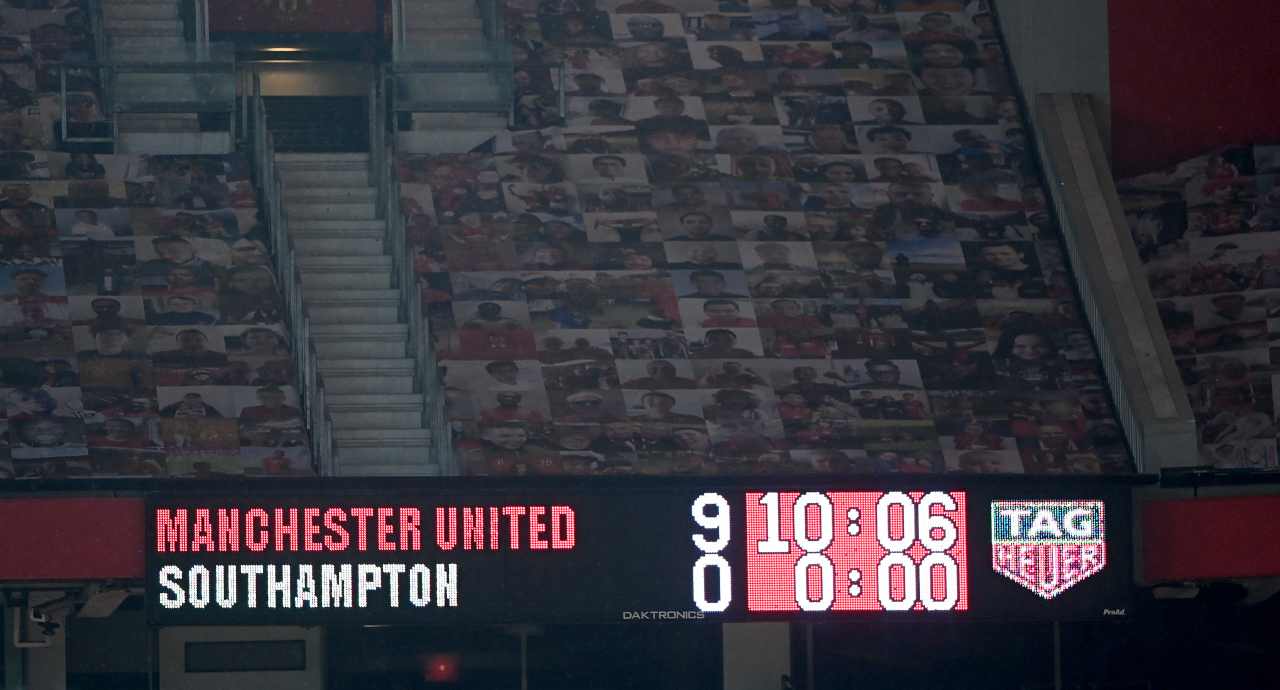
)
(492, 13)
(1145, 385)
(98, 25)
(397, 29)
(201, 15)
(177, 80)
(310, 383)
(561, 87)
(383, 158)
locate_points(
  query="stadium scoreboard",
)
(767, 550)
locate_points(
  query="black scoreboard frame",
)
(993, 597)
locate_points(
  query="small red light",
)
(440, 668)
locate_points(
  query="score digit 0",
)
(837, 558)
(711, 512)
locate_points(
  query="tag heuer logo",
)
(1047, 546)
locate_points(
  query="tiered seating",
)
(141, 323)
(765, 238)
(1206, 230)
(32, 43)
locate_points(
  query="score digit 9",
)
(711, 513)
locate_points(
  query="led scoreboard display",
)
(641, 551)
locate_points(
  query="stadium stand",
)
(141, 325)
(1203, 229)
(756, 238)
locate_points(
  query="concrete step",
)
(354, 307)
(362, 295)
(356, 468)
(411, 6)
(416, 21)
(295, 192)
(342, 244)
(289, 162)
(163, 26)
(366, 341)
(113, 11)
(176, 143)
(381, 411)
(371, 330)
(308, 225)
(325, 178)
(360, 383)
(391, 451)
(452, 47)
(398, 366)
(463, 121)
(422, 39)
(126, 47)
(342, 348)
(343, 263)
(134, 87)
(443, 140)
(467, 87)
(341, 279)
(332, 211)
(389, 437)
(174, 122)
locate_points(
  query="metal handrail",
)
(397, 29)
(98, 25)
(383, 147)
(310, 383)
(564, 70)
(202, 28)
(494, 19)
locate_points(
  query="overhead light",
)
(282, 49)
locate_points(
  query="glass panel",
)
(463, 52)
(134, 52)
(426, 91)
(163, 92)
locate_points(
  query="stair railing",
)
(98, 25)
(310, 383)
(493, 15)
(201, 16)
(427, 380)
(563, 79)
(397, 29)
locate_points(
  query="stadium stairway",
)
(459, 103)
(149, 24)
(448, 21)
(354, 308)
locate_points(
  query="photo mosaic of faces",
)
(141, 329)
(1206, 231)
(767, 236)
(34, 38)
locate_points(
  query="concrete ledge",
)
(1146, 388)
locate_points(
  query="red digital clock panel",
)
(856, 551)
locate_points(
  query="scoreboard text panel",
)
(679, 552)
